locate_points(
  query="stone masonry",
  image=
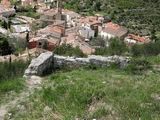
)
(49, 60)
(39, 65)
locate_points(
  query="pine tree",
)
(27, 39)
(45, 46)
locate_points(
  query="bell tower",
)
(59, 6)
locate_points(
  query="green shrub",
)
(137, 66)
(116, 47)
(5, 48)
(136, 50)
(101, 51)
(12, 70)
(28, 11)
(146, 50)
(68, 50)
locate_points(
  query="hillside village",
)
(79, 60)
(60, 26)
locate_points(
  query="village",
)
(79, 59)
(59, 26)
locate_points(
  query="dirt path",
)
(31, 83)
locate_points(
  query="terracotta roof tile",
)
(141, 39)
(5, 3)
(112, 25)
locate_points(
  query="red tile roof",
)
(5, 3)
(54, 28)
(89, 19)
(76, 40)
(112, 25)
(141, 39)
(115, 29)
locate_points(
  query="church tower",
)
(59, 6)
(59, 10)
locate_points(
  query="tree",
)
(27, 39)
(45, 46)
(136, 50)
(5, 48)
(117, 47)
(153, 35)
(9, 24)
(5, 25)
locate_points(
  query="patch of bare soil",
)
(31, 83)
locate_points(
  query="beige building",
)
(112, 30)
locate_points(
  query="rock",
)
(46, 109)
(83, 61)
(41, 64)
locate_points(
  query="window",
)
(39, 43)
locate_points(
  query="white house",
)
(20, 28)
(68, 15)
(87, 33)
(48, 1)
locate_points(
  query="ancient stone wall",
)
(41, 64)
(48, 60)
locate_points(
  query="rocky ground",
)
(31, 83)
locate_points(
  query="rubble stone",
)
(39, 65)
(48, 60)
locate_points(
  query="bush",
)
(28, 11)
(5, 48)
(68, 50)
(137, 66)
(116, 47)
(101, 51)
(146, 50)
(12, 70)
(136, 50)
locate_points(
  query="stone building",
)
(112, 30)
(7, 12)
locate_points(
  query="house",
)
(14, 37)
(40, 41)
(87, 33)
(73, 29)
(32, 52)
(53, 31)
(68, 16)
(5, 3)
(89, 22)
(3, 31)
(7, 12)
(27, 2)
(27, 20)
(111, 30)
(20, 28)
(133, 39)
(48, 1)
(51, 14)
(77, 40)
(54, 13)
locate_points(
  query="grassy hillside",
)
(11, 78)
(102, 94)
(140, 16)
